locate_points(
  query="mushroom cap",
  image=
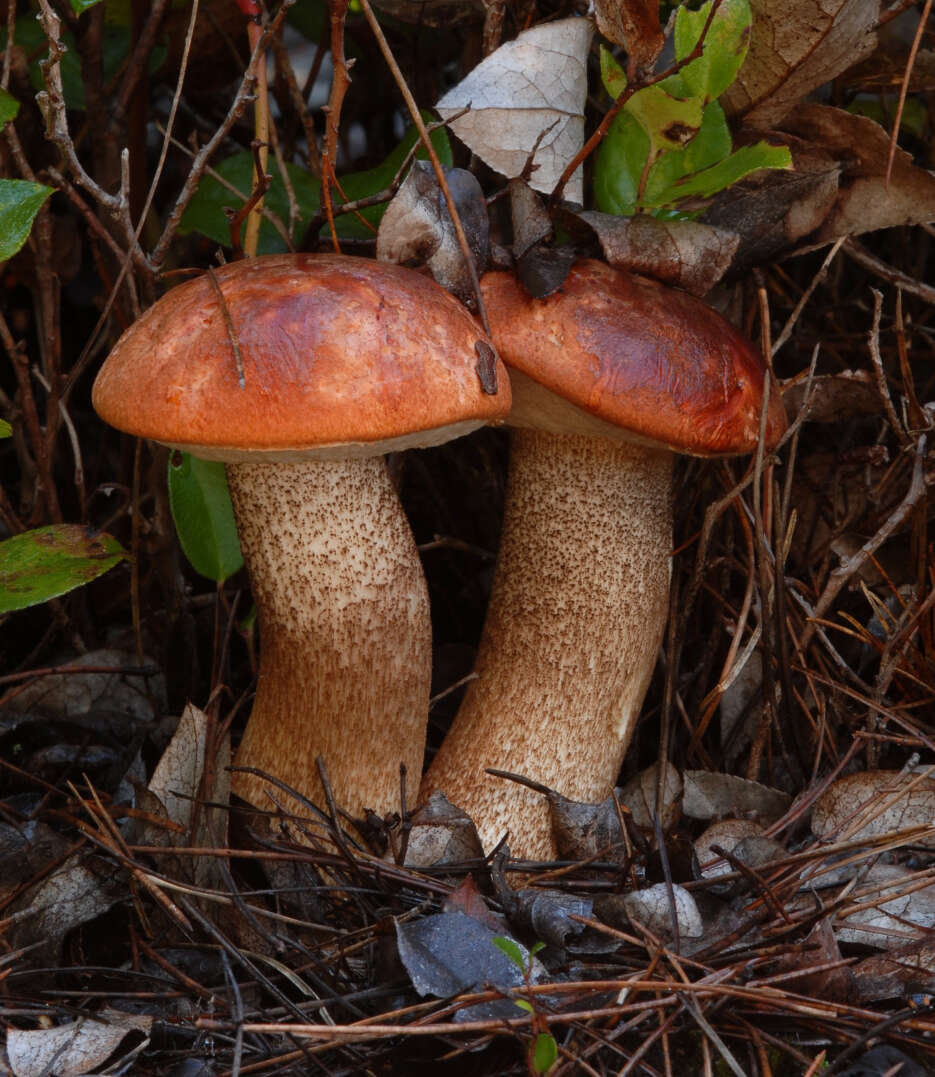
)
(341, 357)
(636, 355)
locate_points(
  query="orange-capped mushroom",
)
(343, 360)
(611, 376)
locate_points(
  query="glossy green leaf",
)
(310, 18)
(522, 1004)
(612, 74)
(743, 162)
(206, 214)
(203, 514)
(50, 561)
(670, 122)
(724, 51)
(5, 429)
(20, 201)
(710, 145)
(9, 107)
(80, 6)
(544, 1052)
(619, 165)
(115, 46)
(512, 949)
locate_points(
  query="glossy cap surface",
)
(649, 359)
(336, 351)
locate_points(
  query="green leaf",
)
(205, 212)
(80, 6)
(9, 107)
(50, 561)
(670, 122)
(544, 1053)
(710, 145)
(619, 165)
(6, 430)
(523, 1005)
(612, 74)
(20, 201)
(725, 46)
(203, 514)
(115, 49)
(512, 949)
(309, 18)
(746, 160)
(536, 948)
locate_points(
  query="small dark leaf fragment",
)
(486, 367)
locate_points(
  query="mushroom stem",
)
(345, 634)
(575, 621)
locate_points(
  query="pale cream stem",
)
(574, 626)
(345, 633)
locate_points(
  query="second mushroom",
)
(611, 376)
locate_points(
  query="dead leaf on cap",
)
(794, 48)
(633, 24)
(687, 254)
(531, 89)
(417, 225)
(708, 795)
(865, 201)
(79, 1047)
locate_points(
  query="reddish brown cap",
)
(644, 357)
(336, 351)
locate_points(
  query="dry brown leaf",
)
(639, 796)
(774, 209)
(70, 695)
(865, 202)
(79, 1047)
(897, 917)
(69, 897)
(871, 803)
(819, 948)
(794, 48)
(180, 786)
(633, 24)
(653, 909)
(690, 255)
(708, 795)
(727, 834)
(834, 397)
(899, 972)
(441, 834)
(531, 89)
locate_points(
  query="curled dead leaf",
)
(687, 254)
(528, 98)
(795, 48)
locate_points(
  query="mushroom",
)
(611, 376)
(342, 360)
